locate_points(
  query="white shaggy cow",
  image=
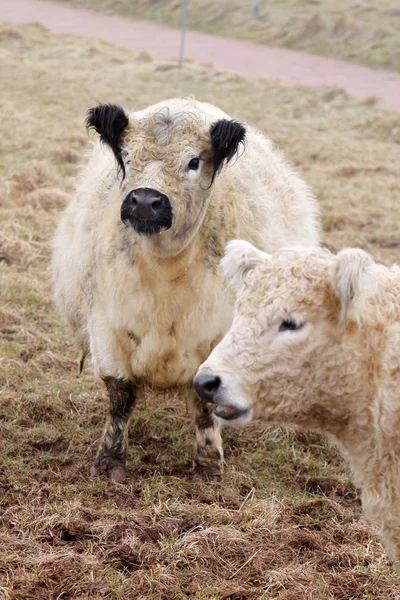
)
(136, 254)
(315, 342)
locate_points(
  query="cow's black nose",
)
(207, 385)
(147, 204)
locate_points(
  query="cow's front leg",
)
(111, 456)
(208, 458)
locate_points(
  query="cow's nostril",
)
(134, 201)
(207, 385)
(212, 386)
(157, 204)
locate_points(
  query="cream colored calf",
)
(315, 342)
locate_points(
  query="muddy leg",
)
(111, 456)
(208, 458)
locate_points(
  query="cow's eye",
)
(194, 164)
(290, 325)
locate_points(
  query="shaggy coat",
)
(315, 342)
(145, 298)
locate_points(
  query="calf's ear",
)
(226, 137)
(354, 281)
(239, 259)
(109, 120)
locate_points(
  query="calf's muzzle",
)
(213, 388)
(207, 386)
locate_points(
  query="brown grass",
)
(285, 521)
(365, 32)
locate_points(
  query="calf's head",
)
(168, 161)
(299, 350)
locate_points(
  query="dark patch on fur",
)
(204, 419)
(214, 246)
(109, 120)
(226, 136)
(132, 336)
(124, 245)
(122, 396)
(209, 453)
(207, 458)
(113, 449)
(178, 279)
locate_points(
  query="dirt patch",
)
(327, 485)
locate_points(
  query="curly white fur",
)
(334, 370)
(110, 281)
(151, 308)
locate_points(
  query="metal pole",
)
(183, 32)
(257, 9)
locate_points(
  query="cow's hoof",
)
(211, 472)
(112, 471)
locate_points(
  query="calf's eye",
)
(194, 164)
(290, 325)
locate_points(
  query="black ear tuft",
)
(109, 120)
(226, 135)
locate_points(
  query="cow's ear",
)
(354, 280)
(109, 120)
(226, 137)
(239, 259)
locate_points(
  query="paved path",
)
(232, 55)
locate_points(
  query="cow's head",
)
(301, 346)
(168, 162)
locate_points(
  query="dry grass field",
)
(285, 521)
(361, 31)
